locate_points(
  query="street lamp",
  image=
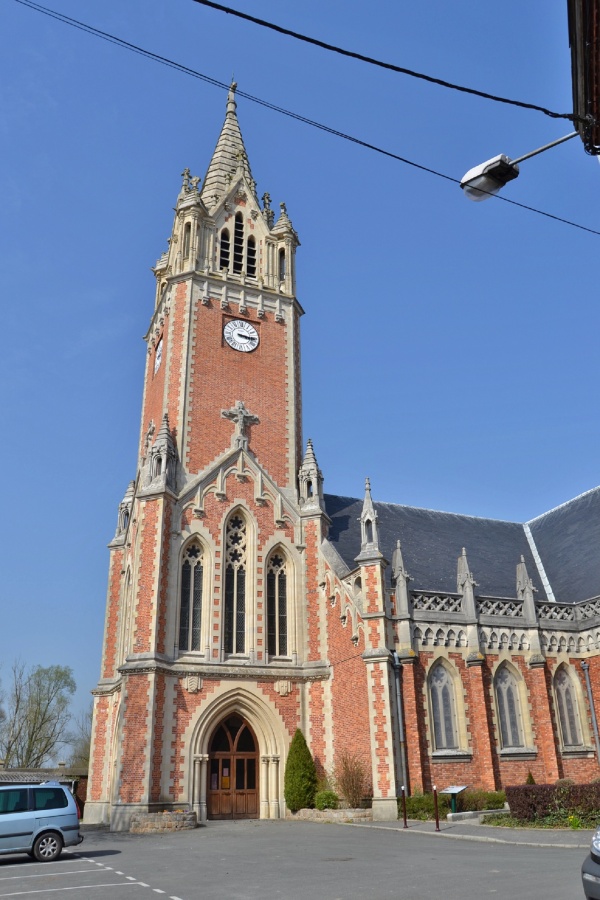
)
(488, 178)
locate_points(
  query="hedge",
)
(529, 802)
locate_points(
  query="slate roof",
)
(567, 540)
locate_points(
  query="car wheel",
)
(47, 847)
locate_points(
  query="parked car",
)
(590, 870)
(38, 819)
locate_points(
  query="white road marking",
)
(130, 878)
(143, 884)
(118, 873)
(79, 887)
(157, 891)
(48, 875)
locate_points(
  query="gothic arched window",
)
(187, 231)
(190, 608)
(509, 708)
(251, 257)
(282, 264)
(235, 585)
(238, 243)
(568, 709)
(443, 708)
(277, 579)
(225, 246)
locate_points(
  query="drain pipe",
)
(586, 671)
(400, 712)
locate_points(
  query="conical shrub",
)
(300, 782)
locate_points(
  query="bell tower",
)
(226, 321)
(206, 568)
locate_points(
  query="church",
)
(244, 602)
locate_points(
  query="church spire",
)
(369, 548)
(229, 158)
(310, 481)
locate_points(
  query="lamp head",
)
(488, 178)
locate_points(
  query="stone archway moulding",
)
(271, 735)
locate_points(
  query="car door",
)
(16, 819)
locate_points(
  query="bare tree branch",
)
(37, 714)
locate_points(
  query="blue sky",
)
(449, 348)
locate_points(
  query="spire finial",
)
(231, 104)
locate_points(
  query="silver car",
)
(38, 819)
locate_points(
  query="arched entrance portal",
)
(232, 790)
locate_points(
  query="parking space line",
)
(48, 875)
(79, 887)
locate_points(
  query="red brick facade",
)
(273, 630)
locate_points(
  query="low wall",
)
(156, 823)
(332, 815)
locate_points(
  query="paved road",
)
(300, 860)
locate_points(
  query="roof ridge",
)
(561, 505)
(428, 509)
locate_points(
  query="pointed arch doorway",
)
(232, 790)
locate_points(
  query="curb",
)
(471, 837)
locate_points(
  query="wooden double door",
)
(232, 790)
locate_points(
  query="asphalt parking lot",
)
(292, 860)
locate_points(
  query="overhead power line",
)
(385, 65)
(186, 70)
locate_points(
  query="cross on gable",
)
(242, 418)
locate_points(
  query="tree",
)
(37, 714)
(300, 781)
(81, 739)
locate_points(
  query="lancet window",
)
(190, 609)
(235, 585)
(508, 704)
(282, 266)
(277, 597)
(225, 249)
(238, 243)
(443, 708)
(568, 709)
(251, 257)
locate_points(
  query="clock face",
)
(241, 335)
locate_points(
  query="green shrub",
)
(420, 806)
(300, 780)
(326, 800)
(471, 801)
(530, 779)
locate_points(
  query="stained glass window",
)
(235, 586)
(509, 708)
(568, 710)
(443, 708)
(190, 609)
(277, 605)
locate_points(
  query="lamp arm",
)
(561, 140)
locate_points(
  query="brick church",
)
(244, 602)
